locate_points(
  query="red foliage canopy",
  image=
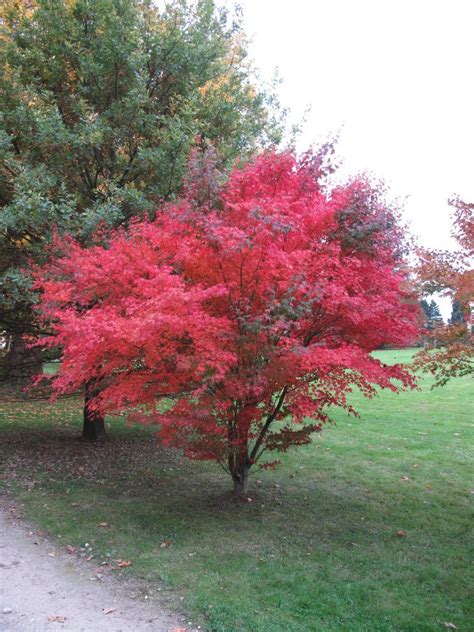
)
(252, 317)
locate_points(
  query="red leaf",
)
(124, 563)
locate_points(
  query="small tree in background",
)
(458, 315)
(432, 322)
(451, 273)
(247, 318)
(432, 314)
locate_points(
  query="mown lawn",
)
(315, 549)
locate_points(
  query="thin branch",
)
(128, 168)
(269, 420)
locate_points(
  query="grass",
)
(315, 549)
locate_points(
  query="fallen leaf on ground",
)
(405, 478)
(124, 563)
(415, 466)
(52, 554)
(401, 534)
(89, 557)
(75, 504)
(56, 618)
(108, 610)
(71, 549)
(104, 525)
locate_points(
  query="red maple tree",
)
(451, 352)
(236, 326)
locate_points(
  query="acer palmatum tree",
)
(451, 353)
(250, 319)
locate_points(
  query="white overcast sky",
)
(395, 77)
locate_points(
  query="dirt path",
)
(35, 587)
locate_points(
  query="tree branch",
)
(269, 420)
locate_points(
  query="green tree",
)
(101, 102)
(432, 313)
(458, 316)
(436, 317)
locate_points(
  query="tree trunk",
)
(19, 364)
(94, 426)
(240, 477)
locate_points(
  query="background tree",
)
(432, 314)
(101, 101)
(236, 325)
(458, 316)
(451, 273)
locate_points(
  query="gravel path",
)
(41, 592)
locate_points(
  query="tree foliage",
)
(451, 273)
(458, 315)
(101, 101)
(431, 313)
(236, 325)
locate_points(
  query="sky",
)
(394, 78)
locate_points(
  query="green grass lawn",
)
(317, 546)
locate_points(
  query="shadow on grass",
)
(131, 474)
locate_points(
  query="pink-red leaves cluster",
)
(236, 326)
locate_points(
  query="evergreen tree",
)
(432, 313)
(425, 306)
(457, 314)
(435, 314)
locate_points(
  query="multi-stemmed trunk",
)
(241, 457)
(240, 476)
(94, 426)
(239, 462)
